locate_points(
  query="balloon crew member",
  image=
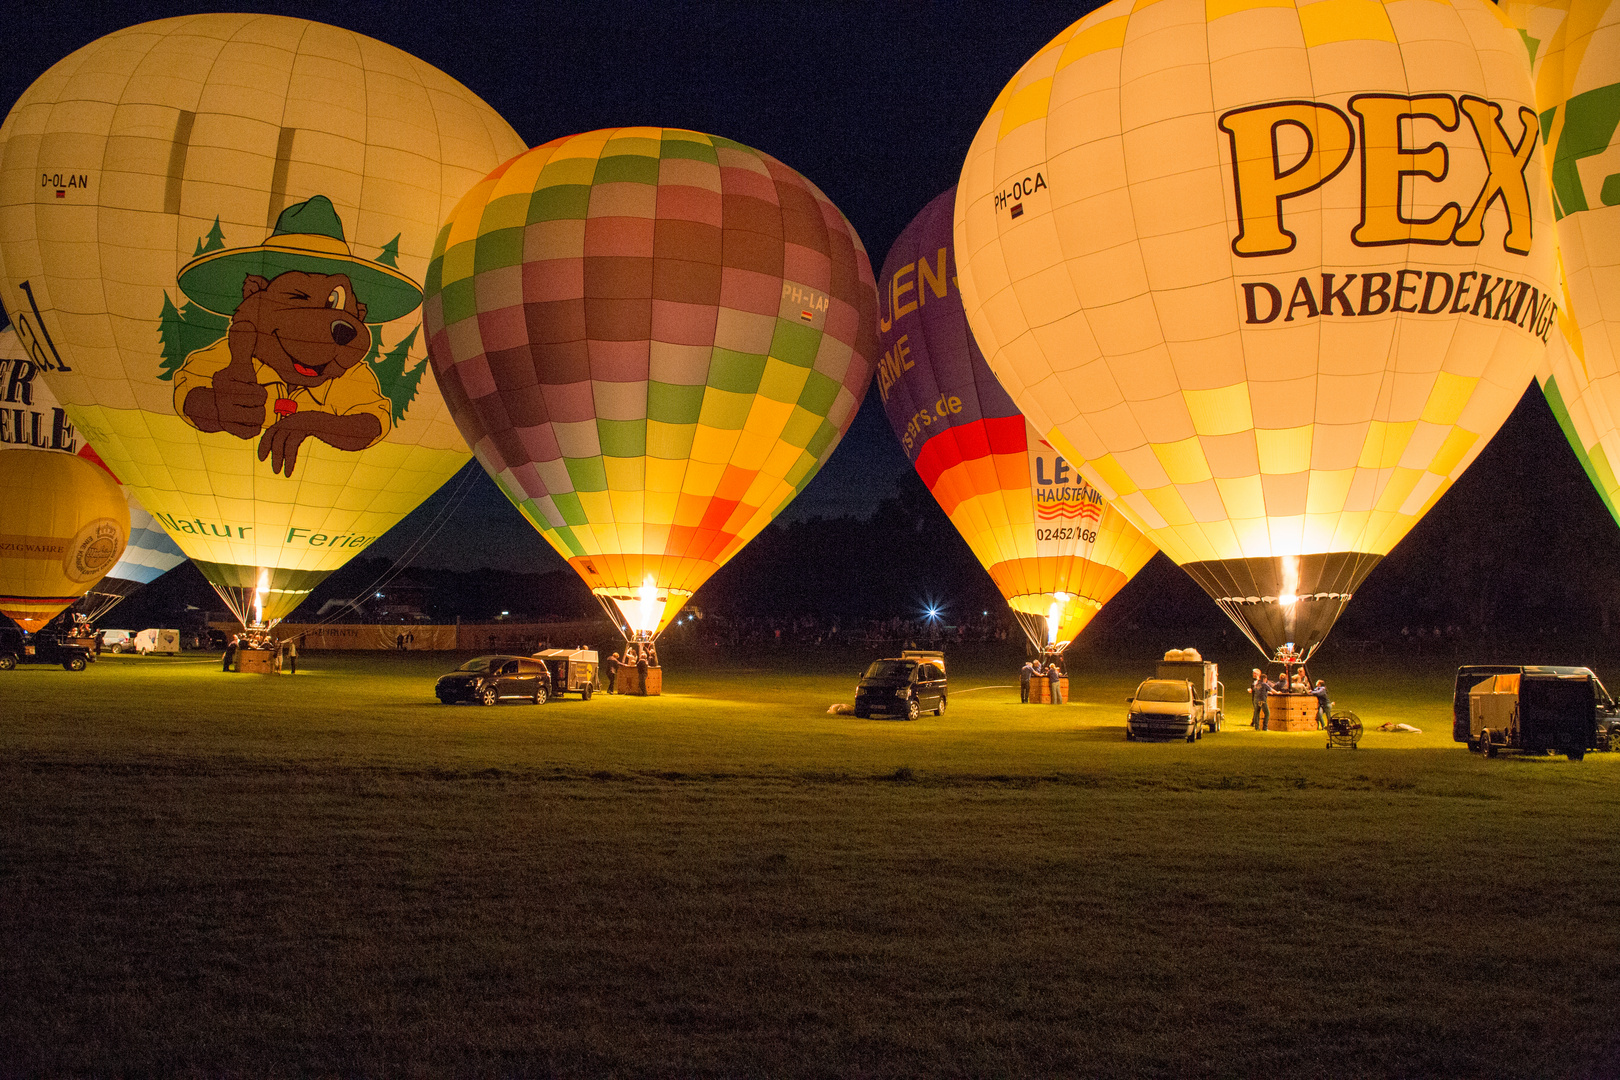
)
(612, 672)
(1322, 707)
(1054, 675)
(1258, 689)
(230, 652)
(641, 672)
(1025, 674)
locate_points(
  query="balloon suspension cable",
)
(1231, 610)
(616, 617)
(1034, 627)
(95, 604)
(415, 548)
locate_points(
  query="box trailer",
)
(573, 671)
(1534, 709)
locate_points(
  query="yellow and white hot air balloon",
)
(63, 525)
(213, 232)
(1273, 272)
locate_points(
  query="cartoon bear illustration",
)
(292, 365)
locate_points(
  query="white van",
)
(148, 642)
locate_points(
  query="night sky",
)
(875, 103)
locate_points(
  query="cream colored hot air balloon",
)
(1574, 51)
(1274, 273)
(213, 231)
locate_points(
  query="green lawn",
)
(204, 874)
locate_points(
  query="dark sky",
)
(874, 102)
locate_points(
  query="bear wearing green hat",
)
(292, 364)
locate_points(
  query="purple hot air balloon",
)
(1055, 549)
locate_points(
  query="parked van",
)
(1535, 709)
(148, 642)
(1205, 677)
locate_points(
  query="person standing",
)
(1323, 712)
(1054, 676)
(230, 651)
(641, 672)
(612, 672)
(1258, 689)
(1025, 674)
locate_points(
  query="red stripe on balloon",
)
(968, 442)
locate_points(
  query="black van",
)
(1534, 708)
(902, 686)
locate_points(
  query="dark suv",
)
(18, 648)
(901, 686)
(489, 680)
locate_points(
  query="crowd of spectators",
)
(737, 631)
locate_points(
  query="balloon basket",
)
(1040, 691)
(630, 681)
(1292, 712)
(256, 661)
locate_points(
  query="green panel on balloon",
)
(498, 249)
(673, 403)
(795, 343)
(736, 372)
(622, 438)
(559, 203)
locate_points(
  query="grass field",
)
(328, 874)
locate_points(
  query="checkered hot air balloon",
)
(1054, 547)
(1272, 274)
(652, 339)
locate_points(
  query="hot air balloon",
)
(212, 233)
(1056, 550)
(30, 416)
(63, 524)
(652, 339)
(1271, 275)
(1571, 48)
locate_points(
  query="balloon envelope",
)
(63, 524)
(1273, 275)
(30, 416)
(652, 339)
(1053, 546)
(212, 233)
(1572, 48)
